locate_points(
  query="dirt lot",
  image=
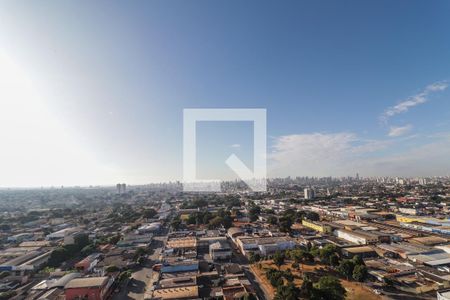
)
(355, 290)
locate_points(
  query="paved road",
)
(141, 279)
(240, 259)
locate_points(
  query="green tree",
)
(360, 273)
(278, 259)
(111, 268)
(81, 240)
(124, 275)
(176, 223)
(215, 222)
(326, 252)
(307, 288)
(272, 220)
(287, 292)
(313, 216)
(334, 260)
(254, 257)
(227, 223)
(7, 295)
(89, 249)
(285, 224)
(149, 213)
(114, 239)
(275, 277)
(248, 296)
(57, 256)
(254, 212)
(358, 260)
(328, 288)
(346, 268)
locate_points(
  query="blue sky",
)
(95, 90)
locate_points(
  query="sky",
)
(93, 92)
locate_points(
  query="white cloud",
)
(437, 86)
(415, 100)
(343, 154)
(395, 131)
(236, 146)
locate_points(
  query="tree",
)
(81, 240)
(275, 277)
(288, 275)
(287, 292)
(227, 223)
(360, 273)
(307, 288)
(89, 249)
(328, 288)
(215, 222)
(141, 260)
(278, 259)
(334, 260)
(111, 269)
(358, 260)
(248, 297)
(300, 215)
(254, 212)
(326, 252)
(346, 268)
(124, 275)
(285, 224)
(272, 220)
(114, 239)
(308, 246)
(176, 223)
(388, 281)
(254, 257)
(7, 295)
(5, 227)
(139, 252)
(308, 257)
(149, 213)
(313, 216)
(58, 255)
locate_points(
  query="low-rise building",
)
(264, 245)
(88, 263)
(317, 226)
(220, 251)
(359, 238)
(89, 288)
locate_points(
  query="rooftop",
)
(87, 282)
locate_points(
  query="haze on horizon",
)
(93, 94)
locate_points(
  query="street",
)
(141, 278)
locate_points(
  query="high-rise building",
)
(121, 188)
(309, 193)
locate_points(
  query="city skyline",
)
(94, 94)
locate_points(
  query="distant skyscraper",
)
(309, 193)
(121, 188)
